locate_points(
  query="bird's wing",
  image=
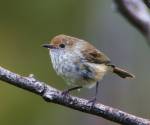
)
(94, 56)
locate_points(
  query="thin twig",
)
(53, 95)
(137, 13)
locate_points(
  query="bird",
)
(80, 63)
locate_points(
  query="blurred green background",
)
(25, 25)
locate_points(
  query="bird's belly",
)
(71, 75)
(65, 67)
(84, 74)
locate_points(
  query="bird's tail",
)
(120, 72)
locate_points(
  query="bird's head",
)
(63, 43)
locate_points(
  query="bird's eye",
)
(62, 45)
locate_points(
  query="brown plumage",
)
(94, 56)
(121, 72)
(89, 52)
(80, 63)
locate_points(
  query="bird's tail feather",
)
(122, 73)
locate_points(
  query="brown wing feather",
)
(94, 56)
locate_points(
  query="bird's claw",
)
(92, 102)
(65, 93)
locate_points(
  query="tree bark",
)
(137, 13)
(53, 95)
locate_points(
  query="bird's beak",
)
(49, 46)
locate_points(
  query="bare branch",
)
(53, 95)
(147, 2)
(137, 13)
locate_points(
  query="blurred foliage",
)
(25, 25)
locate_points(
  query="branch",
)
(136, 12)
(147, 2)
(53, 95)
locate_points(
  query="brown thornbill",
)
(80, 63)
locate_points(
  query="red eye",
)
(62, 45)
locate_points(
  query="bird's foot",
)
(92, 102)
(65, 93)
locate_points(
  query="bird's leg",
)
(93, 101)
(71, 89)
